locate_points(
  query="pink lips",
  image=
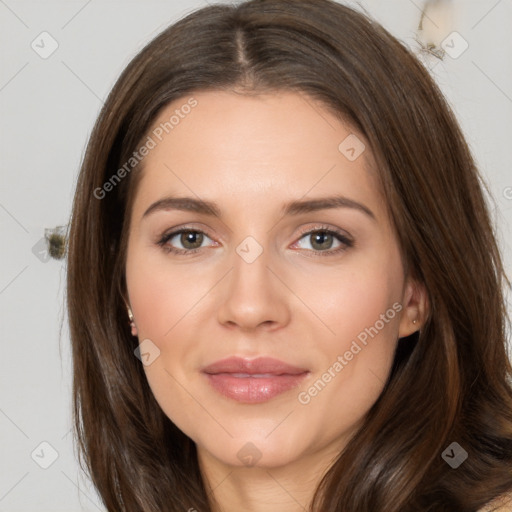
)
(253, 380)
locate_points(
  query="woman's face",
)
(296, 261)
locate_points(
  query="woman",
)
(284, 289)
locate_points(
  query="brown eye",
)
(321, 240)
(191, 241)
(194, 238)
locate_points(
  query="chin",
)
(254, 451)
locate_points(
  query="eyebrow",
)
(297, 207)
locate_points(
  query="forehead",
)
(255, 147)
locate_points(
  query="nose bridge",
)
(251, 277)
(254, 295)
(251, 262)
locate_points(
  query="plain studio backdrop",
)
(59, 60)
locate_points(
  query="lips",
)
(262, 365)
(253, 380)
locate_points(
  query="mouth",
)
(253, 381)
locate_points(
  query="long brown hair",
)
(452, 383)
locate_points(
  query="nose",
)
(254, 295)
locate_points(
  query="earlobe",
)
(132, 322)
(415, 306)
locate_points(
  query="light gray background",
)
(48, 107)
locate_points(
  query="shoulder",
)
(501, 504)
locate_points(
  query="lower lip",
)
(253, 390)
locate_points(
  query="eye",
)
(321, 241)
(190, 239)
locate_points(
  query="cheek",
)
(161, 295)
(163, 300)
(363, 310)
(351, 301)
(359, 312)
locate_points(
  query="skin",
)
(250, 155)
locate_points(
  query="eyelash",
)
(347, 242)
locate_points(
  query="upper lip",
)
(260, 365)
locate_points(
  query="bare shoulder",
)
(501, 504)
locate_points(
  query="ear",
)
(415, 307)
